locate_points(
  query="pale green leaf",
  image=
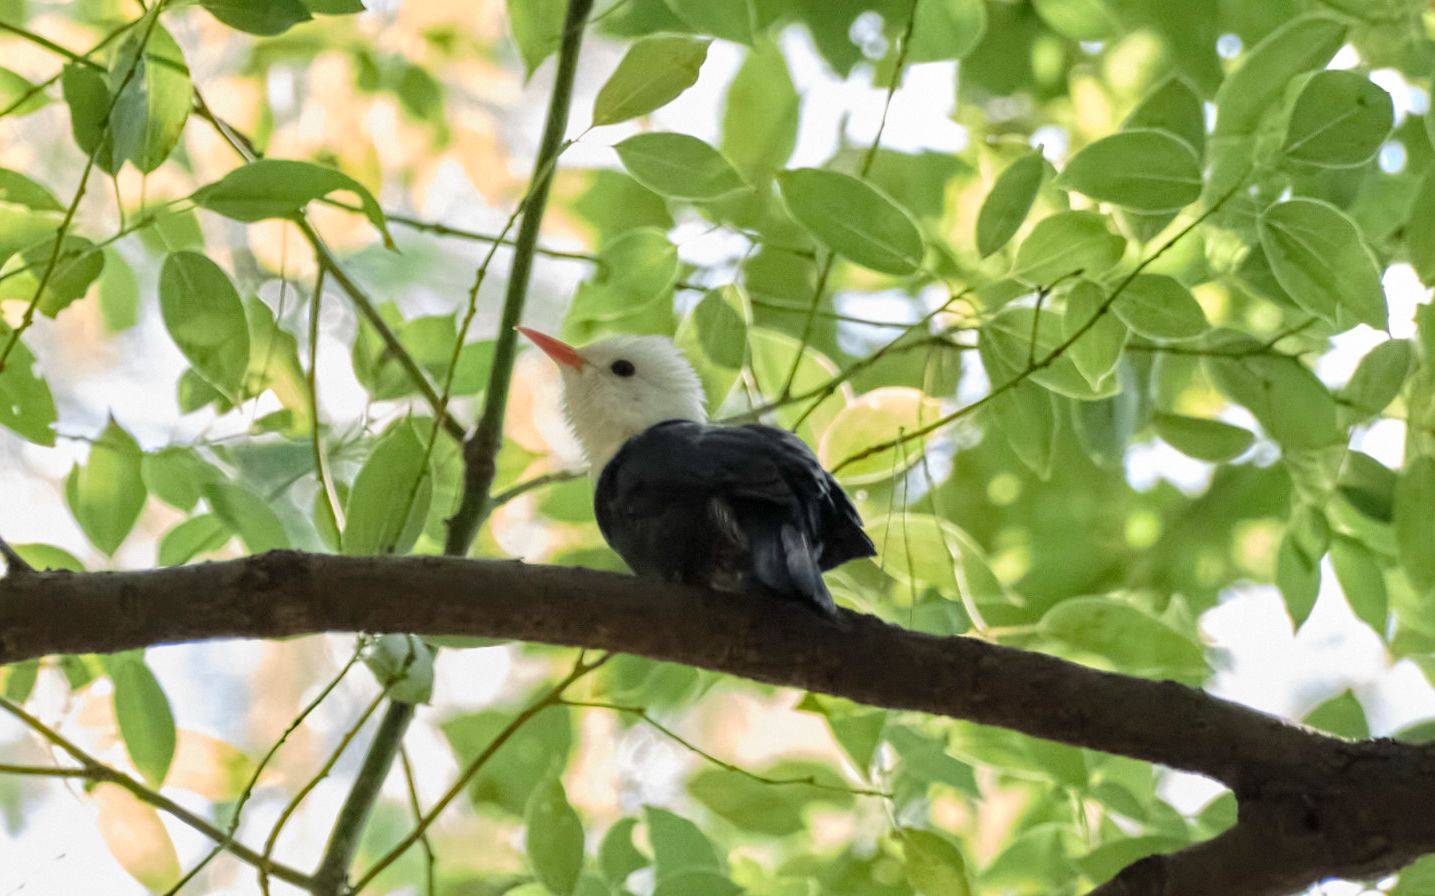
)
(1339, 120)
(1011, 197)
(390, 497)
(107, 494)
(651, 74)
(1158, 307)
(1208, 440)
(1132, 639)
(143, 713)
(1146, 170)
(1320, 258)
(853, 219)
(1256, 86)
(205, 318)
(280, 188)
(1067, 244)
(553, 838)
(679, 166)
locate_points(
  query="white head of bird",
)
(617, 387)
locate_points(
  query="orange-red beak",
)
(560, 352)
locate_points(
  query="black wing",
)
(742, 508)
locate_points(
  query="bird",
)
(744, 508)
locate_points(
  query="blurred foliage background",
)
(1108, 313)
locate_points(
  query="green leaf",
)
(1026, 415)
(1414, 523)
(1378, 378)
(652, 73)
(26, 405)
(617, 856)
(1016, 335)
(403, 666)
(19, 189)
(150, 113)
(857, 729)
(631, 292)
(390, 497)
(1298, 578)
(280, 188)
(263, 17)
(142, 710)
(1342, 716)
(1257, 85)
(75, 268)
(106, 495)
(1417, 879)
(713, 336)
(761, 807)
(1361, 577)
(1158, 307)
(935, 866)
(679, 166)
(553, 838)
(1339, 120)
(177, 476)
(1208, 440)
(853, 219)
(47, 556)
(740, 21)
(1175, 108)
(1132, 639)
(12, 88)
(119, 293)
(678, 845)
(696, 883)
(929, 550)
(1420, 229)
(205, 318)
(1010, 200)
(247, 515)
(1103, 862)
(1291, 404)
(537, 30)
(1146, 170)
(879, 416)
(1066, 244)
(196, 535)
(947, 29)
(1320, 258)
(335, 7)
(759, 123)
(87, 93)
(1096, 352)
(19, 680)
(536, 751)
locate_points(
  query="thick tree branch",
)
(1311, 806)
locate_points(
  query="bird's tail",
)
(784, 561)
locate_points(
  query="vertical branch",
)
(480, 451)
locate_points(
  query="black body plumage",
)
(736, 508)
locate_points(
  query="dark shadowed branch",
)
(1311, 806)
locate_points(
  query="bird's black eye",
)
(623, 368)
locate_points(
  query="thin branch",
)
(481, 450)
(463, 233)
(95, 770)
(15, 565)
(552, 697)
(806, 780)
(327, 491)
(28, 317)
(1051, 356)
(825, 267)
(539, 481)
(321, 879)
(430, 880)
(233, 827)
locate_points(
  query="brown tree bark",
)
(1311, 806)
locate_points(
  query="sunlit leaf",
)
(26, 405)
(209, 767)
(154, 105)
(263, 17)
(759, 124)
(136, 837)
(652, 73)
(1067, 244)
(1339, 119)
(107, 494)
(537, 29)
(713, 336)
(553, 837)
(280, 188)
(390, 497)
(1320, 259)
(1124, 634)
(935, 866)
(205, 317)
(1378, 379)
(678, 165)
(1010, 199)
(1098, 349)
(1146, 170)
(879, 416)
(1342, 716)
(923, 548)
(1255, 87)
(1414, 523)
(142, 710)
(1298, 578)
(1158, 307)
(853, 219)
